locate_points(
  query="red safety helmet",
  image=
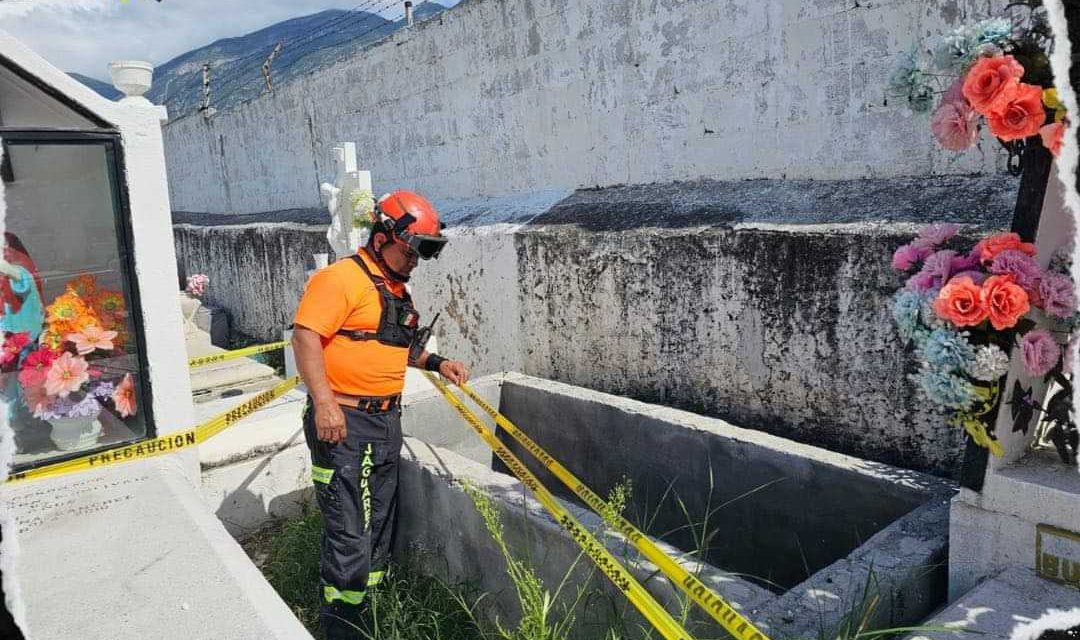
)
(410, 218)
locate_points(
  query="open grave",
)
(791, 533)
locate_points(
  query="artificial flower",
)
(109, 305)
(907, 256)
(66, 313)
(124, 397)
(1052, 101)
(37, 400)
(1040, 352)
(955, 125)
(905, 310)
(1024, 269)
(85, 286)
(92, 338)
(1053, 136)
(908, 80)
(989, 247)
(13, 346)
(36, 366)
(1004, 300)
(66, 374)
(1058, 296)
(936, 234)
(991, 82)
(946, 389)
(961, 303)
(1020, 115)
(946, 350)
(989, 364)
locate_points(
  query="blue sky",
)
(85, 35)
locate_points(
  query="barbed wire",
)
(238, 82)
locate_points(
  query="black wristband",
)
(433, 362)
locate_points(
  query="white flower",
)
(990, 363)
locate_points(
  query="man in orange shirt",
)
(354, 334)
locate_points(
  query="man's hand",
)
(330, 422)
(454, 371)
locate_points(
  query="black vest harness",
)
(399, 320)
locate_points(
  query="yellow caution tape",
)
(737, 625)
(202, 361)
(168, 443)
(597, 552)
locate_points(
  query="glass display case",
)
(72, 369)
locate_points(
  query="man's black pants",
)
(356, 487)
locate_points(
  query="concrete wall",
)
(783, 510)
(496, 97)
(763, 302)
(903, 562)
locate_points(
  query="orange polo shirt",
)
(342, 296)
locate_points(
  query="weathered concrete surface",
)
(905, 558)
(152, 561)
(726, 298)
(902, 565)
(999, 608)
(569, 94)
(257, 272)
(439, 526)
(784, 510)
(994, 530)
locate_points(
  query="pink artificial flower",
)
(1057, 295)
(955, 125)
(36, 366)
(92, 338)
(1053, 136)
(964, 263)
(1040, 351)
(124, 397)
(13, 346)
(66, 374)
(908, 256)
(936, 234)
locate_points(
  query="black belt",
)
(369, 404)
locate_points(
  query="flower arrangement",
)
(61, 376)
(363, 204)
(994, 73)
(196, 285)
(963, 311)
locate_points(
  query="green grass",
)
(406, 606)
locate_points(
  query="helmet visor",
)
(427, 247)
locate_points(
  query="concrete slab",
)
(995, 529)
(162, 566)
(209, 382)
(1001, 605)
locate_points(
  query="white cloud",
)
(85, 35)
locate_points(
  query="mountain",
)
(308, 43)
(103, 88)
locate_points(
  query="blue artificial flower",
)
(947, 351)
(954, 50)
(946, 389)
(905, 311)
(909, 81)
(992, 31)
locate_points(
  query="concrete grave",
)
(850, 517)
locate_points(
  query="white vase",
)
(133, 77)
(69, 434)
(189, 306)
